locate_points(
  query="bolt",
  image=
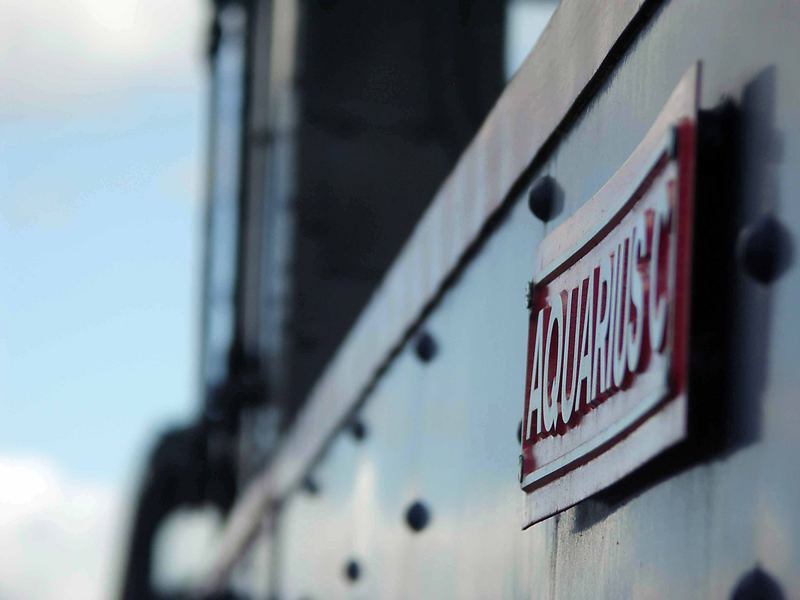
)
(545, 198)
(765, 249)
(418, 516)
(310, 486)
(758, 584)
(358, 430)
(425, 347)
(352, 570)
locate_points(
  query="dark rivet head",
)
(418, 516)
(521, 468)
(519, 432)
(756, 584)
(765, 250)
(544, 199)
(310, 486)
(358, 430)
(352, 570)
(425, 347)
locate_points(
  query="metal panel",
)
(525, 117)
(444, 431)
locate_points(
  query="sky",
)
(102, 132)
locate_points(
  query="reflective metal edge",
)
(565, 59)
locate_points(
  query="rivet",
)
(425, 347)
(765, 249)
(358, 430)
(521, 468)
(545, 198)
(352, 570)
(310, 486)
(519, 432)
(418, 516)
(757, 584)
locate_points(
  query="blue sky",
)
(102, 143)
(99, 234)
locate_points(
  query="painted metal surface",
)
(444, 431)
(606, 383)
(518, 126)
(524, 119)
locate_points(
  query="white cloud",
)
(62, 57)
(60, 538)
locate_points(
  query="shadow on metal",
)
(731, 308)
